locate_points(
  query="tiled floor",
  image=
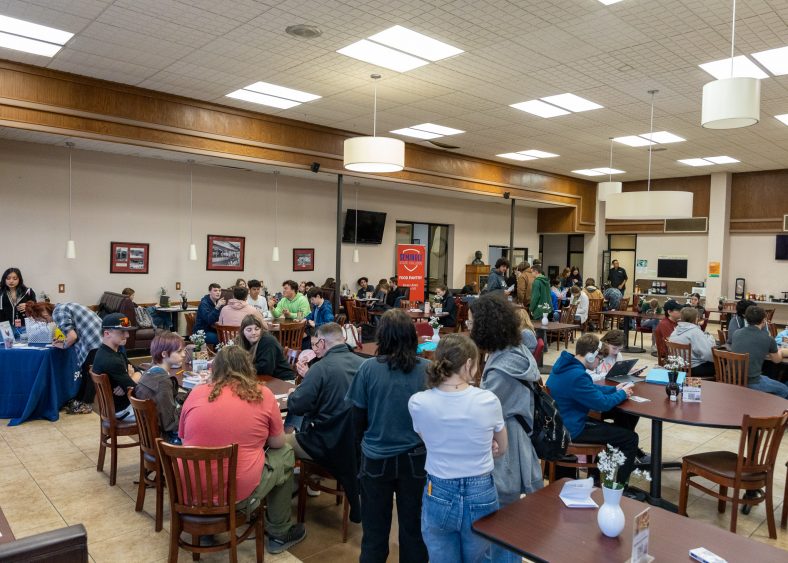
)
(48, 479)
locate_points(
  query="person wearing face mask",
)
(265, 350)
(575, 394)
(157, 384)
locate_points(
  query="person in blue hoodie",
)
(575, 394)
(208, 313)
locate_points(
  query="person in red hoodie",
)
(666, 326)
(237, 308)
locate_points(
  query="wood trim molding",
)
(40, 99)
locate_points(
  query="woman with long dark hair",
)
(264, 350)
(393, 455)
(14, 296)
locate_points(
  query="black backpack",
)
(549, 435)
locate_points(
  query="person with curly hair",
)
(235, 409)
(392, 454)
(462, 427)
(510, 373)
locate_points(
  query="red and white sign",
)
(411, 259)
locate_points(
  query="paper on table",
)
(577, 493)
(281, 396)
(638, 399)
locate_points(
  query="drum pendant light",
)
(374, 154)
(606, 189)
(730, 103)
(71, 246)
(648, 205)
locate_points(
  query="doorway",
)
(624, 249)
(435, 237)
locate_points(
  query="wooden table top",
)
(572, 534)
(555, 325)
(415, 315)
(630, 314)
(722, 405)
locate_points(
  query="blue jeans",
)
(768, 385)
(447, 514)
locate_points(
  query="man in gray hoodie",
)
(688, 332)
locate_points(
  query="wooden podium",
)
(477, 274)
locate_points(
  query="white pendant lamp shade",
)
(605, 189)
(275, 254)
(650, 205)
(71, 250)
(355, 256)
(192, 252)
(374, 154)
(730, 103)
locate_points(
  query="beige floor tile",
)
(137, 546)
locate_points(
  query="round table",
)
(722, 406)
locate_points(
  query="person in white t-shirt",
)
(462, 428)
(255, 298)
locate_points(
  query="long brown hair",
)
(249, 320)
(451, 354)
(233, 367)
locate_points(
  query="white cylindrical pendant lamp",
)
(730, 103)
(275, 254)
(192, 252)
(374, 154)
(71, 250)
(355, 256)
(651, 205)
(606, 189)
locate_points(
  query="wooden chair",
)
(110, 427)
(340, 319)
(361, 315)
(584, 458)
(291, 335)
(683, 351)
(567, 317)
(350, 310)
(423, 329)
(148, 428)
(594, 314)
(403, 304)
(190, 318)
(772, 329)
(539, 352)
(462, 315)
(640, 329)
(784, 517)
(730, 367)
(704, 323)
(769, 314)
(202, 487)
(226, 333)
(751, 470)
(312, 476)
(722, 335)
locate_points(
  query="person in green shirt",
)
(291, 303)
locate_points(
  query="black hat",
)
(672, 305)
(117, 321)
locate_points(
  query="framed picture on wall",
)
(128, 257)
(225, 253)
(303, 259)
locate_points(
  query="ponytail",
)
(452, 353)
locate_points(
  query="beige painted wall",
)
(752, 258)
(694, 247)
(120, 198)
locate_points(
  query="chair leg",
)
(550, 471)
(735, 509)
(141, 488)
(195, 541)
(113, 461)
(159, 500)
(784, 517)
(345, 517)
(259, 532)
(721, 503)
(770, 509)
(102, 453)
(302, 484)
(175, 534)
(684, 490)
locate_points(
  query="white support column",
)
(719, 237)
(594, 245)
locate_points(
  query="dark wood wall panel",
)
(758, 201)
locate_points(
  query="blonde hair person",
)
(527, 329)
(462, 428)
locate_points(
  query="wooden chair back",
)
(568, 314)
(340, 319)
(539, 350)
(405, 304)
(147, 424)
(291, 335)
(759, 443)
(772, 329)
(190, 318)
(636, 301)
(730, 367)
(722, 335)
(350, 310)
(594, 310)
(623, 305)
(684, 351)
(105, 402)
(226, 333)
(361, 315)
(462, 315)
(769, 314)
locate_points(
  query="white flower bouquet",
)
(610, 461)
(674, 363)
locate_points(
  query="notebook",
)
(660, 376)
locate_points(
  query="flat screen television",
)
(370, 226)
(672, 268)
(781, 248)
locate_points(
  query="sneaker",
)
(643, 459)
(294, 535)
(311, 492)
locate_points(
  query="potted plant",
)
(184, 301)
(164, 299)
(436, 327)
(673, 364)
(198, 340)
(610, 517)
(721, 302)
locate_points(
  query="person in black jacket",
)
(395, 294)
(14, 295)
(208, 313)
(448, 305)
(265, 350)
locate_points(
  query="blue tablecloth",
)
(35, 383)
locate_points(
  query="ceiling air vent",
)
(785, 223)
(693, 225)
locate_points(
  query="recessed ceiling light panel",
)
(742, 67)
(721, 159)
(571, 102)
(437, 129)
(412, 132)
(609, 2)
(775, 60)
(633, 141)
(539, 154)
(34, 31)
(539, 108)
(281, 92)
(516, 156)
(381, 55)
(262, 99)
(662, 137)
(26, 45)
(586, 172)
(415, 43)
(696, 162)
(606, 170)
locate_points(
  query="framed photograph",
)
(225, 253)
(303, 259)
(128, 257)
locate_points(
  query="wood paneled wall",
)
(40, 99)
(759, 200)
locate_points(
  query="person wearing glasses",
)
(111, 360)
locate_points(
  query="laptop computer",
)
(622, 372)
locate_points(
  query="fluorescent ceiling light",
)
(516, 156)
(34, 31)
(28, 45)
(437, 129)
(696, 162)
(571, 102)
(263, 99)
(541, 109)
(413, 132)
(415, 43)
(782, 117)
(721, 159)
(609, 2)
(605, 170)
(380, 55)
(588, 172)
(742, 67)
(662, 137)
(281, 92)
(633, 141)
(775, 60)
(538, 154)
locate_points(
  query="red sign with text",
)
(411, 259)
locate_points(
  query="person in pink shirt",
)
(237, 308)
(235, 409)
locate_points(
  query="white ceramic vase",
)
(436, 334)
(610, 517)
(545, 320)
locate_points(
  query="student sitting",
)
(237, 308)
(322, 312)
(760, 346)
(737, 321)
(695, 302)
(364, 290)
(614, 342)
(292, 302)
(556, 297)
(650, 308)
(448, 306)
(111, 360)
(592, 290)
(612, 296)
(256, 299)
(156, 383)
(264, 350)
(208, 313)
(527, 329)
(580, 299)
(688, 332)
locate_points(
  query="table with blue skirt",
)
(36, 382)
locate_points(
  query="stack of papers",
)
(191, 381)
(577, 493)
